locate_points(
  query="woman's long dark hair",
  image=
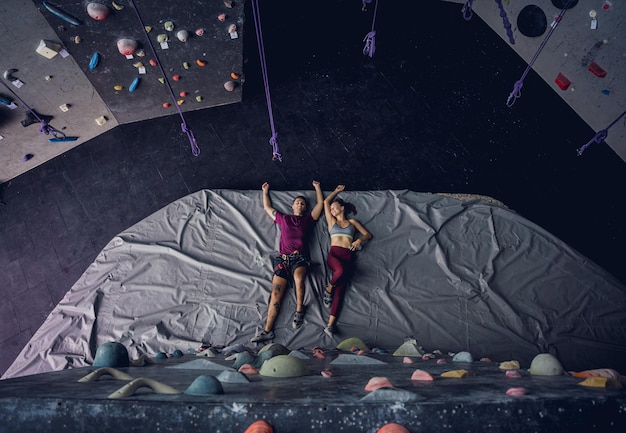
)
(349, 208)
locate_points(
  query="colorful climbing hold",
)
(200, 62)
(161, 80)
(166, 105)
(152, 62)
(169, 26)
(516, 391)
(118, 87)
(176, 78)
(377, 383)
(234, 75)
(229, 86)
(199, 98)
(116, 6)
(162, 38)
(182, 35)
(596, 70)
(186, 65)
(455, 373)
(126, 46)
(326, 373)
(95, 58)
(133, 85)
(221, 17)
(422, 375)
(183, 94)
(259, 427)
(513, 374)
(180, 101)
(199, 32)
(393, 427)
(97, 11)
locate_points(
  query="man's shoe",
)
(298, 318)
(263, 336)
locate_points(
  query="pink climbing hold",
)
(98, 11)
(126, 47)
(513, 374)
(377, 383)
(422, 375)
(326, 373)
(407, 360)
(248, 369)
(516, 391)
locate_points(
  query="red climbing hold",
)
(562, 81)
(596, 70)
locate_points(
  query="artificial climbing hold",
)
(205, 385)
(183, 94)
(532, 21)
(182, 35)
(166, 105)
(176, 78)
(153, 62)
(97, 11)
(118, 87)
(392, 427)
(111, 354)
(169, 26)
(234, 75)
(199, 32)
(126, 46)
(596, 70)
(95, 58)
(221, 17)
(186, 65)
(199, 98)
(516, 391)
(162, 38)
(422, 375)
(133, 85)
(562, 81)
(377, 383)
(116, 6)
(200, 62)
(545, 364)
(284, 366)
(259, 427)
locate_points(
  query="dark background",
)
(427, 113)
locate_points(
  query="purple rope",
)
(505, 22)
(370, 38)
(601, 135)
(276, 156)
(467, 10)
(195, 150)
(45, 127)
(517, 88)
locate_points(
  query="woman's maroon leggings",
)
(340, 262)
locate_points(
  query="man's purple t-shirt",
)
(293, 232)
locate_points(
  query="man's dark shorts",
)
(285, 264)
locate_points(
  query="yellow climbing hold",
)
(118, 87)
(455, 373)
(600, 382)
(509, 365)
(161, 80)
(350, 342)
(138, 65)
(186, 65)
(198, 98)
(116, 6)
(148, 29)
(180, 101)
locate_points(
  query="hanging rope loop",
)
(370, 38)
(370, 44)
(195, 150)
(276, 156)
(516, 93)
(601, 135)
(467, 10)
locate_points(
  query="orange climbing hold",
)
(234, 75)
(392, 427)
(201, 62)
(259, 427)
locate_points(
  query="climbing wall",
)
(147, 58)
(583, 60)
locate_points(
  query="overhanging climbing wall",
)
(583, 60)
(198, 48)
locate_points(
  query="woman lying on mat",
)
(342, 247)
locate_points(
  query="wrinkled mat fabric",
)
(454, 274)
